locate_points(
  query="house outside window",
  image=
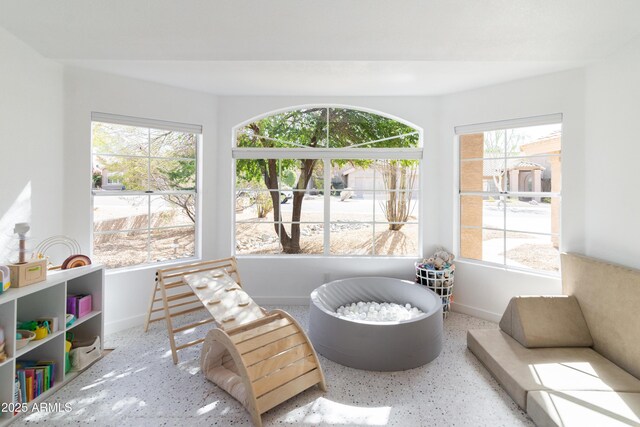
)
(510, 193)
(327, 180)
(144, 190)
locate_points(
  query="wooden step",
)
(275, 347)
(279, 361)
(288, 390)
(269, 337)
(260, 330)
(284, 375)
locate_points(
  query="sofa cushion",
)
(583, 408)
(519, 369)
(609, 296)
(546, 321)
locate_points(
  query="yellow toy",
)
(5, 278)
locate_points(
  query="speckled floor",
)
(138, 385)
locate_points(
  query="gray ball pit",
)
(376, 346)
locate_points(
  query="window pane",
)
(167, 175)
(302, 174)
(396, 206)
(255, 205)
(173, 210)
(482, 245)
(354, 175)
(108, 138)
(306, 127)
(166, 143)
(533, 214)
(533, 251)
(256, 237)
(311, 238)
(311, 208)
(539, 174)
(250, 173)
(351, 238)
(532, 140)
(397, 175)
(482, 175)
(397, 239)
(172, 243)
(349, 206)
(353, 127)
(114, 213)
(482, 211)
(121, 249)
(115, 173)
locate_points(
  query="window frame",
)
(460, 131)
(149, 124)
(326, 154)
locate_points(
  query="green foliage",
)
(289, 178)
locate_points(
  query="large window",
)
(144, 182)
(509, 198)
(327, 181)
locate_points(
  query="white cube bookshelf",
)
(46, 299)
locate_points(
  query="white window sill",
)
(150, 266)
(509, 269)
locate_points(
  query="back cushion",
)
(609, 296)
(546, 321)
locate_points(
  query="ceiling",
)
(330, 47)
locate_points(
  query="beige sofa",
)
(572, 359)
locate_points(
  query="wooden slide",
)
(260, 358)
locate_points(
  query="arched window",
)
(326, 180)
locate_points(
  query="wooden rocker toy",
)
(260, 358)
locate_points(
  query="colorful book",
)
(23, 386)
(29, 386)
(34, 378)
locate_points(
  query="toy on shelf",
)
(75, 259)
(41, 329)
(69, 319)
(51, 321)
(5, 278)
(3, 354)
(84, 353)
(79, 305)
(26, 272)
(23, 337)
(21, 229)
(67, 349)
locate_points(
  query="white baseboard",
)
(122, 324)
(281, 300)
(475, 312)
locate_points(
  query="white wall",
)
(599, 213)
(485, 291)
(612, 206)
(290, 280)
(127, 293)
(45, 151)
(31, 143)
